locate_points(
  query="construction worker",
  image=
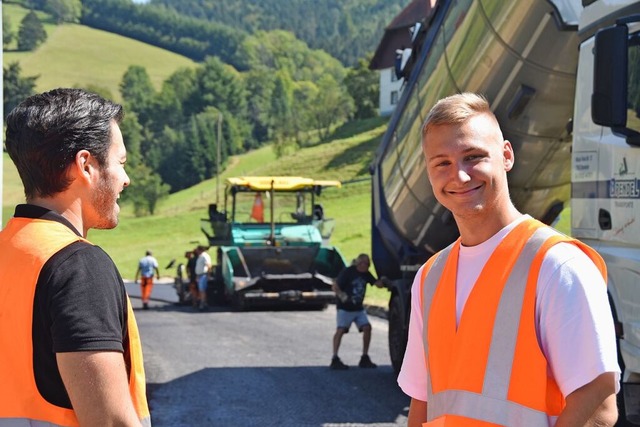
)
(146, 267)
(71, 352)
(510, 325)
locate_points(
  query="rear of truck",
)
(522, 57)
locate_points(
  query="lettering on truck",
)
(624, 188)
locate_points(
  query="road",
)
(261, 368)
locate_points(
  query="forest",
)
(254, 84)
(346, 29)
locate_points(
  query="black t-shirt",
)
(354, 284)
(191, 268)
(80, 304)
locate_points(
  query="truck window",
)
(633, 83)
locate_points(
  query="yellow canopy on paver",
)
(279, 183)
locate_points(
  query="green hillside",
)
(75, 55)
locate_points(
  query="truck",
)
(563, 79)
(272, 240)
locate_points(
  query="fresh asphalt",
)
(260, 368)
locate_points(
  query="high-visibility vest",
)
(490, 370)
(27, 244)
(257, 210)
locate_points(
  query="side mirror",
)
(610, 102)
(609, 98)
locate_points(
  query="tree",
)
(331, 106)
(64, 10)
(132, 135)
(138, 92)
(16, 88)
(304, 93)
(281, 103)
(259, 83)
(31, 33)
(220, 86)
(7, 31)
(145, 191)
(362, 84)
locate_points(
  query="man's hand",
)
(341, 295)
(382, 282)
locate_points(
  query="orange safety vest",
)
(257, 210)
(27, 244)
(490, 370)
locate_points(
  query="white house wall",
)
(390, 90)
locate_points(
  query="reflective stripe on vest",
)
(21, 262)
(495, 401)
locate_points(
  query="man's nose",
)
(462, 174)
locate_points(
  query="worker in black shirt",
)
(350, 288)
(71, 352)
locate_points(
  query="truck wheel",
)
(397, 333)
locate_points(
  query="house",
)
(397, 37)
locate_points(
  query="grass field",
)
(100, 60)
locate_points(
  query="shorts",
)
(346, 318)
(202, 282)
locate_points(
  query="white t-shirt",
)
(573, 318)
(202, 263)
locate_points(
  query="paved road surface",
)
(261, 368)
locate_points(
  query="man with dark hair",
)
(71, 352)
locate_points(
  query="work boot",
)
(337, 364)
(365, 362)
(145, 306)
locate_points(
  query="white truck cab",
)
(605, 194)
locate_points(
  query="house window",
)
(394, 97)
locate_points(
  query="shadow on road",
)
(276, 396)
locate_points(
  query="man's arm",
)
(417, 413)
(97, 384)
(335, 287)
(137, 274)
(592, 405)
(381, 282)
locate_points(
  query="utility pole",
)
(219, 139)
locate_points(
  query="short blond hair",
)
(456, 109)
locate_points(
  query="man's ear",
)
(84, 166)
(508, 156)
